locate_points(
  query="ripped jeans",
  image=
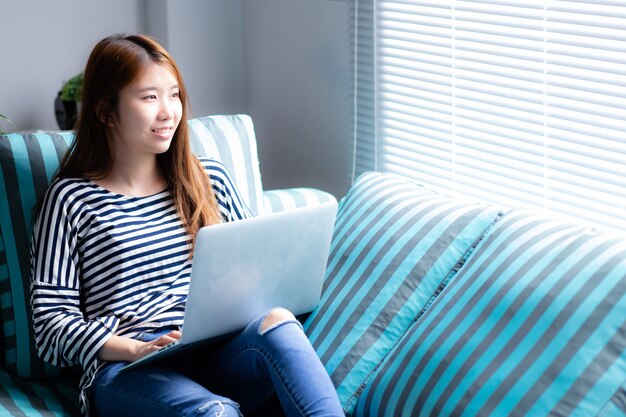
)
(240, 376)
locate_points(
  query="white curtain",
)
(520, 103)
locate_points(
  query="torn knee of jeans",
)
(276, 318)
(218, 408)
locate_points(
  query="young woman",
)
(111, 256)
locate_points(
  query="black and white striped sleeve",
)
(62, 335)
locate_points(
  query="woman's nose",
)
(165, 111)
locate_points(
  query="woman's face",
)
(149, 110)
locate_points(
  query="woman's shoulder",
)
(68, 185)
(64, 195)
(209, 164)
(215, 169)
(66, 189)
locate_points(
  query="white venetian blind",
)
(521, 103)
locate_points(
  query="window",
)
(519, 103)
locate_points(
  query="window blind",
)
(512, 102)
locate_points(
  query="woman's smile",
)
(164, 132)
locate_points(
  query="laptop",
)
(244, 268)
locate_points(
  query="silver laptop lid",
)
(242, 269)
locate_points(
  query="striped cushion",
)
(290, 198)
(394, 246)
(231, 140)
(617, 406)
(533, 325)
(27, 163)
(21, 398)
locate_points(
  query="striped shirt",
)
(103, 264)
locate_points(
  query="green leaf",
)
(73, 89)
(2, 116)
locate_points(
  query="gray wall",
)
(298, 88)
(206, 39)
(44, 43)
(284, 62)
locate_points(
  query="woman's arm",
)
(120, 348)
(63, 335)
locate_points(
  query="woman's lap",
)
(154, 390)
(248, 370)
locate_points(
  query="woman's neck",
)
(134, 178)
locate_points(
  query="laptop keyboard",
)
(169, 345)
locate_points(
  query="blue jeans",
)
(240, 376)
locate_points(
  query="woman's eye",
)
(176, 94)
(150, 97)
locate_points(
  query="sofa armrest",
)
(290, 198)
(23, 397)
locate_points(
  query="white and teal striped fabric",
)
(27, 162)
(231, 140)
(395, 245)
(290, 198)
(20, 397)
(533, 325)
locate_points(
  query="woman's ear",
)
(105, 115)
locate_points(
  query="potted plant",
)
(65, 104)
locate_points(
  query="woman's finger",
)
(176, 334)
(163, 340)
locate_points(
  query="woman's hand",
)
(121, 348)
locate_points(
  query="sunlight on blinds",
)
(517, 103)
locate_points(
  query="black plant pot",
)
(65, 112)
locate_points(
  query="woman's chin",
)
(163, 146)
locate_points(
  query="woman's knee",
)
(220, 409)
(275, 317)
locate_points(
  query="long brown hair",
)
(114, 63)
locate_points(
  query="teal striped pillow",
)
(617, 406)
(394, 247)
(231, 140)
(54, 398)
(533, 325)
(27, 162)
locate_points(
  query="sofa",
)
(432, 304)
